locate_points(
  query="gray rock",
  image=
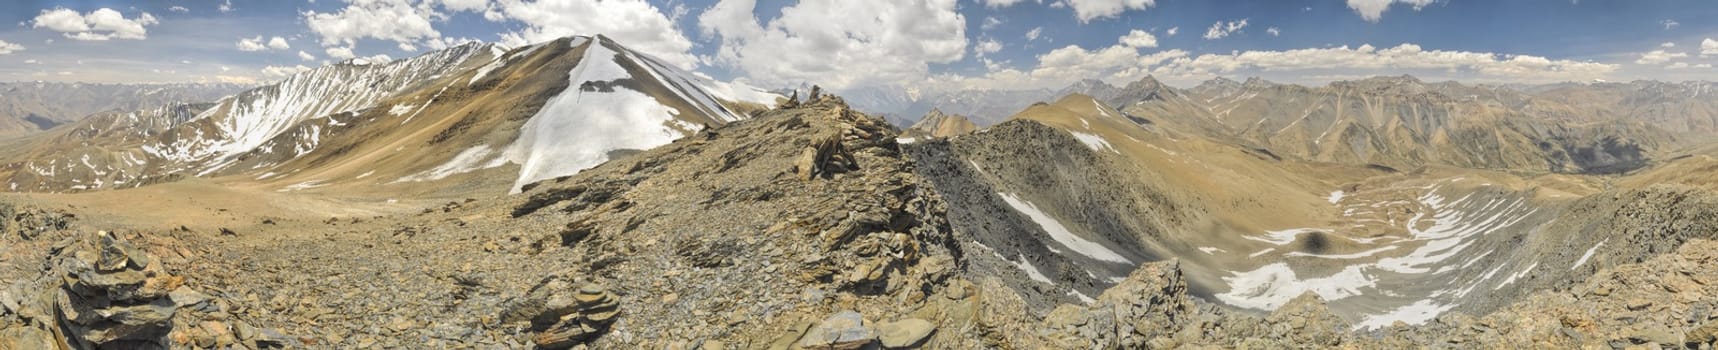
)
(843, 330)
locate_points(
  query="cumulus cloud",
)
(1708, 47)
(1221, 29)
(465, 5)
(1659, 56)
(1172, 31)
(1273, 31)
(1138, 39)
(1087, 10)
(1403, 57)
(179, 9)
(251, 44)
(1373, 10)
(990, 23)
(1060, 67)
(1000, 3)
(101, 24)
(1032, 35)
(839, 44)
(987, 46)
(7, 48)
(305, 56)
(634, 23)
(1119, 64)
(278, 43)
(339, 53)
(1667, 45)
(389, 20)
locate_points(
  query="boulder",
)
(904, 333)
(844, 330)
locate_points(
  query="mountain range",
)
(576, 193)
(30, 107)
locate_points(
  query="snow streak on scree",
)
(1446, 238)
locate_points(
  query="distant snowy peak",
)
(616, 100)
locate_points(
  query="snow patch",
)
(471, 159)
(1093, 141)
(1031, 271)
(1589, 254)
(1417, 313)
(400, 109)
(1061, 234)
(577, 129)
(1335, 196)
(1270, 286)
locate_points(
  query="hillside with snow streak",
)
(550, 109)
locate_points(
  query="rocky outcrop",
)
(101, 291)
(591, 313)
(28, 222)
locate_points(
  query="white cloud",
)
(1667, 45)
(101, 24)
(179, 9)
(838, 44)
(305, 56)
(1708, 47)
(1405, 57)
(636, 24)
(1120, 64)
(1669, 24)
(227, 6)
(389, 20)
(1373, 10)
(1032, 35)
(1139, 39)
(1677, 65)
(339, 53)
(1172, 31)
(1659, 56)
(7, 48)
(987, 46)
(990, 23)
(1117, 64)
(31, 61)
(283, 71)
(465, 5)
(1273, 31)
(1087, 10)
(251, 44)
(278, 43)
(1220, 29)
(1000, 3)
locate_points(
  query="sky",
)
(920, 45)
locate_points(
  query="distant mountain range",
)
(1396, 121)
(30, 107)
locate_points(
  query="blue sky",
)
(923, 44)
